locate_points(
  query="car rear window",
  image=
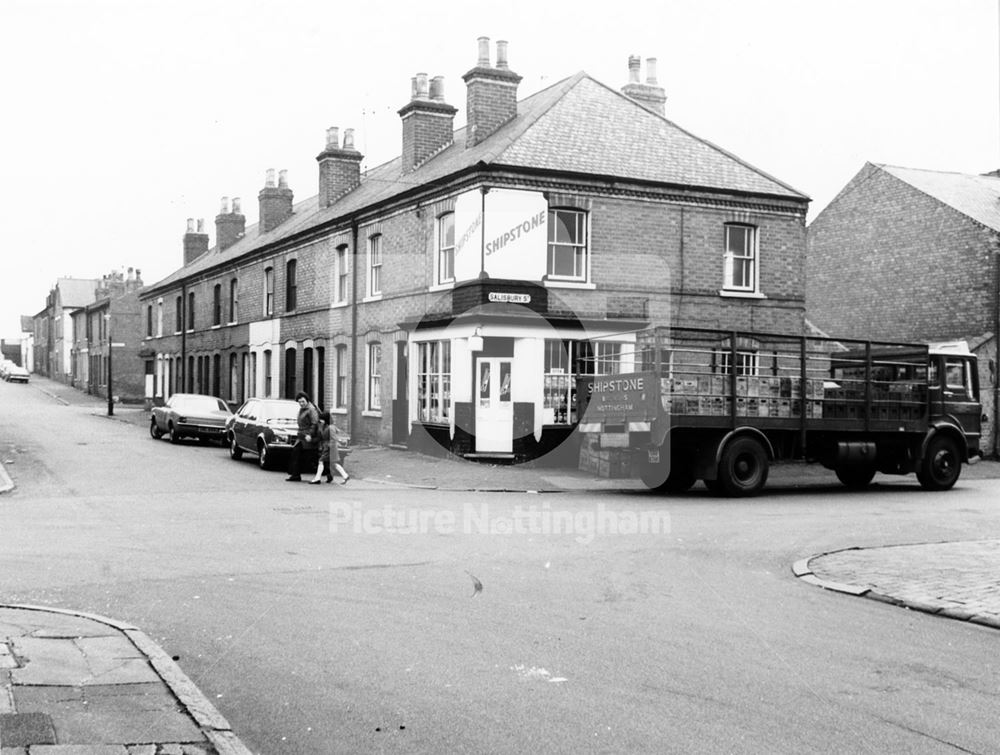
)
(289, 411)
(201, 404)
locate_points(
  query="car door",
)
(242, 423)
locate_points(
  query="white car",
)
(15, 373)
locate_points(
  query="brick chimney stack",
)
(275, 201)
(428, 121)
(195, 242)
(339, 166)
(650, 95)
(229, 224)
(491, 93)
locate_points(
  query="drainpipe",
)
(353, 420)
(184, 324)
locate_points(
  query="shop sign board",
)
(508, 240)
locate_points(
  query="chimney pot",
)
(633, 69)
(224, 209)
(269, 177)
(282, 179)
(484, 53)
(437, 89)
(236, 205)
(651, 71)
(201, 225)
(349, 138)
(190, 225)
(421, 86)
(502, 54)
(332, 136)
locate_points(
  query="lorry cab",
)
(953, 388)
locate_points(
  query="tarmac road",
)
(695, 639)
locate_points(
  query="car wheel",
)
(743, 467)
(174, 435)
(263, 459)
(941, 465)
(235, 452)
(154, 430)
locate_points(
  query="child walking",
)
(329, 453)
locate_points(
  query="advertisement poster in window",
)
(513, 243)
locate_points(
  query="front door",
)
(494, 405)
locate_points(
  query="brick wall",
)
(886, 261)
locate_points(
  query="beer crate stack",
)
(756, 396)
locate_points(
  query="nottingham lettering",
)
(516, 232)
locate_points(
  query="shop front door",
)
(494, 407)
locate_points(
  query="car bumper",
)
(202, 431)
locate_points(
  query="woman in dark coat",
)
(306, 447)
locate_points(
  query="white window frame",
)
(444, 256)
(269, 291)
(581, 274)
(340, 379)
(434, 381)
(749, 255)
(375, 257)
(747, 362)
(342, 269)
(373, 380)
(159, 318)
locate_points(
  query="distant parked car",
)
(5, 365)
(267, 427)
(191, 415)
(14, 373)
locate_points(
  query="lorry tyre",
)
(941, 465)
(856, 476)
(655, 477)
(743, 467)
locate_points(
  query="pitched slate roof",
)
(575, 125)
(971, 194)
(76, 292)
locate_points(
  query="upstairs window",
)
(159, 317)
(269, 292)
(232, 301)
(567, 256)
(217, 304)
(340, 386)
(149, 320)
(291, 286)
(179, 319)
(340, 292)
(375, 265)
(740, 259)
(446, 248)
(190, 311)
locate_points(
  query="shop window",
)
(567, 251)
(446, 248)
(740, 258)
(434, 381)
(565, 361)
(373, 399)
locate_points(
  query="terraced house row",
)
(451, 296)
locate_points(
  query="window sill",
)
(742, 294)
(339, 410)
(442, 286)
(231, 322)
(372, 413)
(583, 285)
(373, 297)
(339, 305)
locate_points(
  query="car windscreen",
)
(280, 411)
(200, 405)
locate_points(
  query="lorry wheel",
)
(856, 476)
(743, 467)
(941, 465)
(655, 476)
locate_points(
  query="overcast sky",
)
(123, 118)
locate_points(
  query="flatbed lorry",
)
(721, 406)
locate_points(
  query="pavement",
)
(78, 684)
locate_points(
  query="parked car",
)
(190, 415)
(15, 373)
(5, 365)
(267, 427)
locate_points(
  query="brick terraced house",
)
(450, 297)
(911, 255)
